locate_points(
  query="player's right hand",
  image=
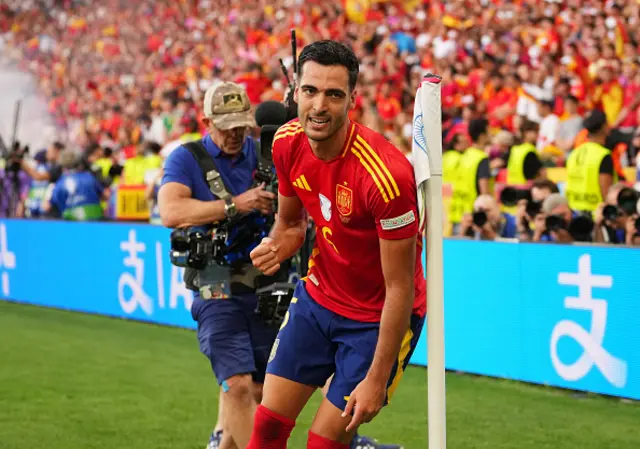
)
(255, 199)
(265, 257)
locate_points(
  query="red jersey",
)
(366, 193)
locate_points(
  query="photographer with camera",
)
(232, 336)
(487, 222)
(42, 174)
(556, 222)
(528, 204)
(14, 182)
(617, 220)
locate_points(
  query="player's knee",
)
(257, 392)
(239, 390)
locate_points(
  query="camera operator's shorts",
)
(234, 339)
(314, 343)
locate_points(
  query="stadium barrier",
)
(564, 316)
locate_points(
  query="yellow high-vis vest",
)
(515, 167)
(465, 191)
(450, 161)
(583, 176)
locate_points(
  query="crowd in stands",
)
(126, 79)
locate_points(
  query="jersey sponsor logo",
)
(344, 200)
(325, 207)
(398, 222)
(302, 183)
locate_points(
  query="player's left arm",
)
(398, 229)
(397, 224)
(398, 259)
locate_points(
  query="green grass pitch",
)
(73, 381)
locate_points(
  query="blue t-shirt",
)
(236, 172)
(509, 229)
(77, 196)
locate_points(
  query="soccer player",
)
(360, 310)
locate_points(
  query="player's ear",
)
(295, 93)
(352, 99)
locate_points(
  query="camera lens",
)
(554, 223)
(533, 208)
(508, 196)
(610, 213)
(581, 228)
(627, 200)
(479, 218)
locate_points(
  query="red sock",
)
(315, 441)
(270, 430)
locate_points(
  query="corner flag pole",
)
(427, 160)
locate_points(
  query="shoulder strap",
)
(209, 169)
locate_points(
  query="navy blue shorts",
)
(234, 339)
(314, 343)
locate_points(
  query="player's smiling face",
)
(324, 99)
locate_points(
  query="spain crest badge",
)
(344, 200)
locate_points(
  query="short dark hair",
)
(572, 98)
(595, 121)
(153, 147)
(327, 52)
(546, 184)
(478, 127)
(529, 125)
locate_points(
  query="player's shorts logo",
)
(325, 207)
(344, 200)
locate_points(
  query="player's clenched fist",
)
(265, 257)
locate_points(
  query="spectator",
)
(77, 194)
(570, 125)
(557, 206)
(487, 222)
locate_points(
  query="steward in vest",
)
(590, 171)
(523, 163)
(473, 173)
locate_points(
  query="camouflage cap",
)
(228, 106)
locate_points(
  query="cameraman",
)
(556, 206)
(234, 339)
(487, 222)
(616, 220)
(42, 174)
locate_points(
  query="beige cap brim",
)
(234, 120)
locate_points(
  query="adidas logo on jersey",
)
(302, 183)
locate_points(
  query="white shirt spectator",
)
(549, 127)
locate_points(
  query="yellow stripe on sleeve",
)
(373, 164)
(287, 134)
(373, 175)
(382, 165)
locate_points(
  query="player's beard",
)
(336, 122)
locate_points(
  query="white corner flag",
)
(427, 166)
